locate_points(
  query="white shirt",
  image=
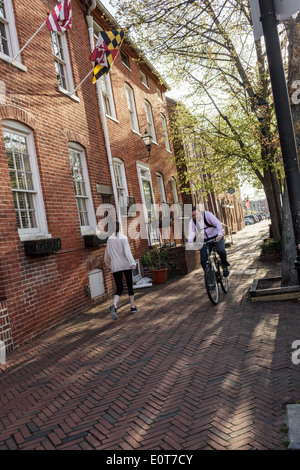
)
(118, 256)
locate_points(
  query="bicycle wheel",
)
(223, 280)
(211, 284)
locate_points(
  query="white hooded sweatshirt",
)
(118, 256)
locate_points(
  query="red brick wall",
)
(42, 291)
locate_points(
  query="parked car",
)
(253, 217)
(248, 221)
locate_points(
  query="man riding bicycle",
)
(209, 227)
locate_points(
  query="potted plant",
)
(156, 260)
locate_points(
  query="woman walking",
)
(118, 258)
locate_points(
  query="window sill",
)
(15, 63)
(67, 93)
(136, 132)
(112, 119)
(34, 236)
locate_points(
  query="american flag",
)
(60, 18)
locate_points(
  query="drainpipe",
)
(89, 20)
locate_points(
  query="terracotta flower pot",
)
(159, 275)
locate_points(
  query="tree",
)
(209, 45)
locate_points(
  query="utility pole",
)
(284, 116)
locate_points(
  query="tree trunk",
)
(289, 252)
(271, 199)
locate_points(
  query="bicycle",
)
(213, 274)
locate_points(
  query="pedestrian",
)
(209, 227)
(118, 258)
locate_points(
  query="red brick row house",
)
(64, 156)
(68, 158)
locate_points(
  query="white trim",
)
(150, 121)
(42, 228)
(15, 63)
(12, 38)
(121, 165)
(91, 228)
(66, 63)
(131, 102)
(141, 166)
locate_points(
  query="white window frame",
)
(105, 84)
(123, 54)
(162, 193)
(174, 190)
(165, 131)
(64, 62)
(159, 94)
(121, 183)
(90, 228)
(153, 234)
(149, 115)
(144, 79)
(11, 35)
(132, 109)
(41, 230)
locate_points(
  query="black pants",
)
(220, 249)
(118, 276)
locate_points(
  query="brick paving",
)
(181, 374)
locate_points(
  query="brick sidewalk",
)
(181, 374)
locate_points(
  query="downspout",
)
(89, 20)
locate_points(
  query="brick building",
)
(61, 160)
(68, 159)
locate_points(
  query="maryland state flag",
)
(105, 51)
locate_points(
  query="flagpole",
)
(29, 40)
(72, 92)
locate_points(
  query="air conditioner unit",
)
(93, 241)
(42, 246)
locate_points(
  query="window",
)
(121, 184)
(8, 35)
(165, 131)
(159, 94)
(162, 195)
(144, 79)
(150, 213)
(174, 190)
(131, 108)
(82, 188)
(107, 96)
(125, 59)
(150, 120)
(24, 179)
(62, 61)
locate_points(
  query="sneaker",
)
(113, 313)
(225, 271)
(134, 309)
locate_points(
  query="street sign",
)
(284, 9)
(231, 190)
